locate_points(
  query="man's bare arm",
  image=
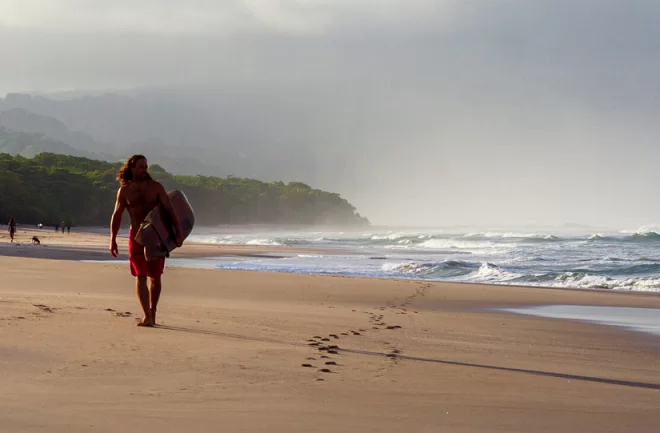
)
(167, 204)
(115, 221)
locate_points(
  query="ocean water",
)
(636, 319)
(582, 257)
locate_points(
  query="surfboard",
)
(157, 235)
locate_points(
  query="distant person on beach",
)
(63, 227)
(68, 228)
(12, 228)
(139, 194)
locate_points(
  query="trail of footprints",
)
(377, 321)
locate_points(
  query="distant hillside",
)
(31, 144)
(50, 188)
(21, 120)
(252, 131)
(25, 133)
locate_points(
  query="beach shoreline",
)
(92, 245)
(248, 350)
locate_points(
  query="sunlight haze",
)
(418, 112)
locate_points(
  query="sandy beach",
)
(245, 352)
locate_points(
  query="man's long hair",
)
(125, 173)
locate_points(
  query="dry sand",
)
(229, 354)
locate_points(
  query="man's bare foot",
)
(147, 321)
(153, 317)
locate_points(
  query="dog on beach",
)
(35, 240)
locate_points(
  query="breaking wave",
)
(623, 260)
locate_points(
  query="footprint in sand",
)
(325, 339)
(314, 344)
(307, 365)
(325, 370)
(125, 314)
(325, 357)
(344, 333)
(335, 336)
(42, 307)
(331, 363)
(394, 327)
(334, 352)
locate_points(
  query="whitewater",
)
(587, 258)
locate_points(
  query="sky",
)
(474, 111)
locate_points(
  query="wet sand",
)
(94, 246)
(244, 352)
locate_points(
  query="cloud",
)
(209, 16)
(522, 107)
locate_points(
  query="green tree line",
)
(50, 188)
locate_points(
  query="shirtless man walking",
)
(139, 194)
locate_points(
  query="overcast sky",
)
(473, 111)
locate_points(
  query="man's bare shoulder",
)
(157, 186)
(121, 192)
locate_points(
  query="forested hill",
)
(51, 188)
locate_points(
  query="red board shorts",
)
(140, 267)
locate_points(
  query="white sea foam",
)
(391, 236)
(515, 235)
(622, 262)
(489, 272)
(262, 242)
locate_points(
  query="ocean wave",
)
(489, 272)
(228, 240)
(646, 237)
(649, 228)
(522, 237)
(264, 242)
(452, 269)
(448, 244)
(391, 237)
(446, 269)
(590, 281)
(599, 237)
(636, 277)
